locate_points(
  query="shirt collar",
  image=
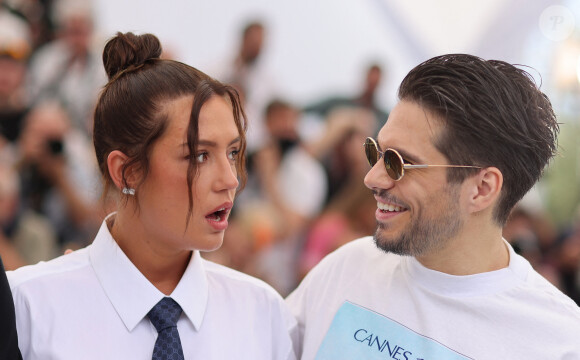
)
(470, 285)
(132, 295)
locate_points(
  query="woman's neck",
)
(162, 268)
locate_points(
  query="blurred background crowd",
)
(305, 194)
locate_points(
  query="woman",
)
(169, 141)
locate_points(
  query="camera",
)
(55, 146)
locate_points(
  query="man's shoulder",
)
(347, 274)
(544, 295)
(355, 260)
(363, 249)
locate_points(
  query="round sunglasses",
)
(394, 163)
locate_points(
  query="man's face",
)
(421, 213)
(12, 74)
(252, 44)
(77, 34)
(373, 79)
(282, 123)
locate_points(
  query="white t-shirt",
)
(92, 304)
(53, 76)
(392, 307)
(302, 181)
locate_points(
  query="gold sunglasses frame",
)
(402, 162)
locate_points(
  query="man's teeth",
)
(388, 207)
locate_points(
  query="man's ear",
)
(116, 162)
(484, 189)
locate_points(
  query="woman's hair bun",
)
(128, 49)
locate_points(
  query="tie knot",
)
(165, 314)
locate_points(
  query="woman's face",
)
(163, 196)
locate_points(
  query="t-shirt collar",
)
(469, 285)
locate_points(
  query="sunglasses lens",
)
(371, 152)
(393, 164)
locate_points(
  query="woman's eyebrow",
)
(211, 143)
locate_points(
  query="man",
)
(69, 68)
(288, 187)
(251, 76)
(438, 281)
(366, 99)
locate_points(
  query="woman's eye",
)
(233, 155)
(201, 157)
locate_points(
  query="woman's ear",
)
(485, 190)
(116, 162)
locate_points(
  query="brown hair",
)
(493, 114)
(129, 116)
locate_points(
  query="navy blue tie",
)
(164, 317)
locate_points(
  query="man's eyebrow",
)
(408, 157)
(405, 155)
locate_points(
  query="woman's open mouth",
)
(218, 215)
(218, 218)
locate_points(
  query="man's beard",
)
(426, 233)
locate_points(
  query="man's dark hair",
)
(493, 114)
(276, 104)
(250, 26)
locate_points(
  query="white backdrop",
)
(320, 47)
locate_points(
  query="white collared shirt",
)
(93, 304)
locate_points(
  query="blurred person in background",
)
(568, 263)
(348, 213)
(343, 129)
(29, 233)
(250, 76)
(347, 204)
(286, 190)
(365, 99)
(245, 238)
(566, 258)
(292, 180)
(59, 176)
(15, 47)
(359, 112)
(528, 231)
(11, 256)
(68, 69)
(38, 16)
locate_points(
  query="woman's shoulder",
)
(57, 269)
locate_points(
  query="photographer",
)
(58, 174)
